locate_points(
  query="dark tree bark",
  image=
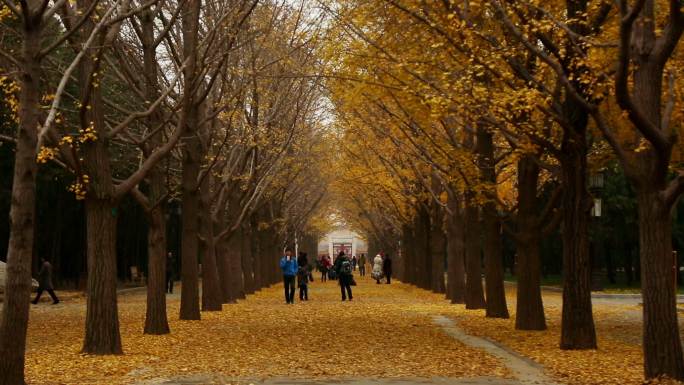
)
(456, 285)
(577, 327)
(247, 260)
(529, 307)
(644, 55)
(102, 318)
(662, 343)
(156, 321)
(15, 308)
(211, 287)
(237, 283)
(192, 158)
(421, 249)
(223, 262)
(474, 296)
(491, 230)
(437, 249)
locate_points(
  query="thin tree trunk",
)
(247, 260)
(211, 288)
(491, 230)
(496, 295)
(190, 307)
(456, 252)
(437, 250)
(223, 262)
(156, 320)
(474, 298)
(15, 308)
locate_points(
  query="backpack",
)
(346, 267)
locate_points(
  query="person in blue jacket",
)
(288, 264)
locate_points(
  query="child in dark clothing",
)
(303, 278)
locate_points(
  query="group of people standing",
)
(341, 270)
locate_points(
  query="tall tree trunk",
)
(247, 259)
(257, 252)
(456, 285)
(15, 308)
(190, 306)
(474, 298)
(491, 230)
(102, 317)
(223, 263)
(237, 283)
(577, 327)
(662, 344)
(408, 245)
(496, 295)
(211, 288)
(102, 321)
(192, 150)
(529, 308)
(437, 249)
(156, 321)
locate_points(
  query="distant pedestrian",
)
(170, 269)
(304, 276)
(45, 282)
(343, 268)
(362, 265)
(387, 268)
(288, 265)
(354, 262)
(377, 268)
(325, 267)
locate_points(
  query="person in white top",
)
(377, 268)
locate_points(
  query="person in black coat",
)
(344, 275)
(170, 269)
(45, 282)
(387, 268)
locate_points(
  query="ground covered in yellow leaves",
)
(386, 332)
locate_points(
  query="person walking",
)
(343, 268)
(362, 265)
(387, 268)
(377, 268)
(354, 262)
(288, 265)
(170, 268)
(45, 282)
